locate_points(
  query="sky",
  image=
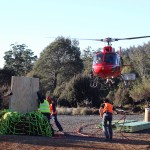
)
(31, 22)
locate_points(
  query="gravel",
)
(72, 123)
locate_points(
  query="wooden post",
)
(147, 115)
(24, 98)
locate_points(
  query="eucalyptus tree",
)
(20, 59)
(58, 63)
(140, 58)
(87, 56)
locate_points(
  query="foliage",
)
(82, 89)
(111, 96)
(141, 90)
(87, 57)
(5, 76)
(122, 97)
(136, 109)
(64, 72)
(58, 63)
(140, 59)
(19, 59)
(78, 92)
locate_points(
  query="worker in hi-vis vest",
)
(44, 109)
(106, 112)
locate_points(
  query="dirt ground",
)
(89, 138)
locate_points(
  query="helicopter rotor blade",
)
(108, 40)
(92, 39)
(101, 40)
(117, 39)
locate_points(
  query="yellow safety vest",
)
(44, 107)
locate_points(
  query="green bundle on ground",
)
(33, 123)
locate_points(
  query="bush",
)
(141, 90)
(63, 103)
(136, 109)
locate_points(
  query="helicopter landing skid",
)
(97, 81)
(94, 82)
(109, 83)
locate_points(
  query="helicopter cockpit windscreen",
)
(111, 58)
(98, 58)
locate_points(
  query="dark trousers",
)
(107, 125)
(47, 115)
(54, 117)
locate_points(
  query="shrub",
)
(136, 109)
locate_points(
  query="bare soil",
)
(81, 133)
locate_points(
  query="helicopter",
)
(108, 63)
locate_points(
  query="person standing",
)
(44, 109)
(53, 113)
(106, 111)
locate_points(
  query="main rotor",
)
(109, 40)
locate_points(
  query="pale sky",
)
(31, 21)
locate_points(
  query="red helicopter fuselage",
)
(107, 64)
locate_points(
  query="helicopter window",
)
(107, 49)
(98, 59)
(111, 58)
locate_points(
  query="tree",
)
(141, 90)
(5, 76)
(20, 59)
(140, 59)
(78, 92)
(87, 59)
(58, 63)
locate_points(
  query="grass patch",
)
(77, 111)
(64, 111)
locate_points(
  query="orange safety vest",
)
(51, 110)
(108, 108)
